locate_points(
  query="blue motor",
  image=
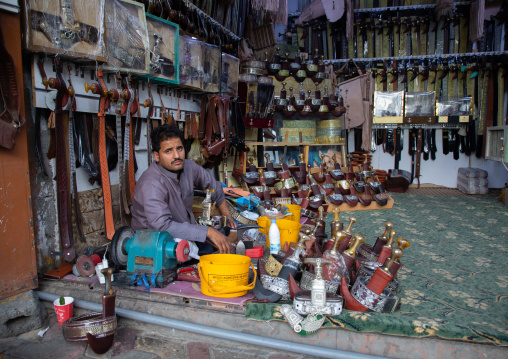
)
(153, 255)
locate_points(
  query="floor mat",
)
(454, 279)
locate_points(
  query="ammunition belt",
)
(386, 302)
(306, 283)
(303, 304)
(277, 285)
(76, 328)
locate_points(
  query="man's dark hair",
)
(163, 133)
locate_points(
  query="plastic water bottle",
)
(274, 236)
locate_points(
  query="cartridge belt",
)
(277, 285)
(76, 328)
(386, 302)
(303, 304)
(306, 283)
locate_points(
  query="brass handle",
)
(403, 243)
(357, 241)
(396, 254)
(336, 212)
(391, 238)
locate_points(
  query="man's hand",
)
(232, 223)
(219, 240)
(223, 209)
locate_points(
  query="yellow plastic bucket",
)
(295, 210)
(225, 275)
(288, 230)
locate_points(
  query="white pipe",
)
(217, 332)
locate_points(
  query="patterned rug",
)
(455, 274)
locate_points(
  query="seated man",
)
(164, 194)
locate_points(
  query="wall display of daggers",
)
(383, 32)
(201, 23)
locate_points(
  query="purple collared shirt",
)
(162, 202)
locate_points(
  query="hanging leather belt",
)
(433, 147)
(398, 146)
(412, 150)
(62, 184)
(149, 125)
(128, 152)
(419, 143)
(445, 141)
(72, 161)
(456, 144)
(426, 144)
(390, 144)
(490, 111)
(106, 188)
(119, 96)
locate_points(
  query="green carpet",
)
(454, 282)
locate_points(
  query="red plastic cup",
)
(63, 312)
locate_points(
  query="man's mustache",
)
(176, 159)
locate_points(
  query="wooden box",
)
(388, 107)
(192, 59)
(69, 28)
(229, 77)
(163, 44)
(212, 68)
(126, 37)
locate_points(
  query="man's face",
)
(171, 155)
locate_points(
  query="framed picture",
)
(420, 104)
(126, 37)
(388, 106)
(163, 38)
(192, 60)
(229, 77)
(69, 28)
(212, 68)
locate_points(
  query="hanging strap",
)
(106, 188)
(419, 145)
